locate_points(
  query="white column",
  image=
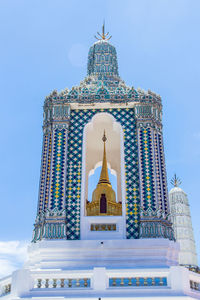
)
(21, 283)
(99, 279)
(179, 279)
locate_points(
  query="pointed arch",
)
(92, 157)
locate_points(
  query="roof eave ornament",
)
(104, 36)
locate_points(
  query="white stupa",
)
(182, 223)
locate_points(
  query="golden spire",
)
(103, 36)
(104, 178)
(103, 197)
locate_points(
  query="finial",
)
(175, 181)
(104, 138)
(103, 36)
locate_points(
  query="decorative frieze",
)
(103, 227)
(56, 112)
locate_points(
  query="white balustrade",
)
(61, 283)
(6, 289)
(137, 281)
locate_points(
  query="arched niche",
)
(92, 158)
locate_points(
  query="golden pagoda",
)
(103, 198)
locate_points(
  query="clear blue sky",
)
(44, 46)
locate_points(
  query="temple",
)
(121, 243)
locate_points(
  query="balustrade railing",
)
(62, 283)
(195, 285)
(6, 289)
(137, 281)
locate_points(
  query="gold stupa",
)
(103, 198)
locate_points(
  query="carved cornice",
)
(50, 224)
(154, 214)
(55, 125)
(155, 224)
(149, 124)
(107, 89)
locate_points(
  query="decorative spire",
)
(103, 197)
(104, 36)
(175, 181)
(104, 178)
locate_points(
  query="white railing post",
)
(21, 282)
(179, 278)
(99, 279)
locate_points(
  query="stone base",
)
(102, 269)
(81, 254)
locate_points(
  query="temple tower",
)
(182, 224)
(73, 120)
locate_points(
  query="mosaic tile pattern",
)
(146, 160)
(103, 82)
(158, 173)
(57, 190)
(79, 118)
(43, 173)
(163, 174)
(102, 59)
(48, 173)
(152, 170)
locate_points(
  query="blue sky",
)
(44, 46)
